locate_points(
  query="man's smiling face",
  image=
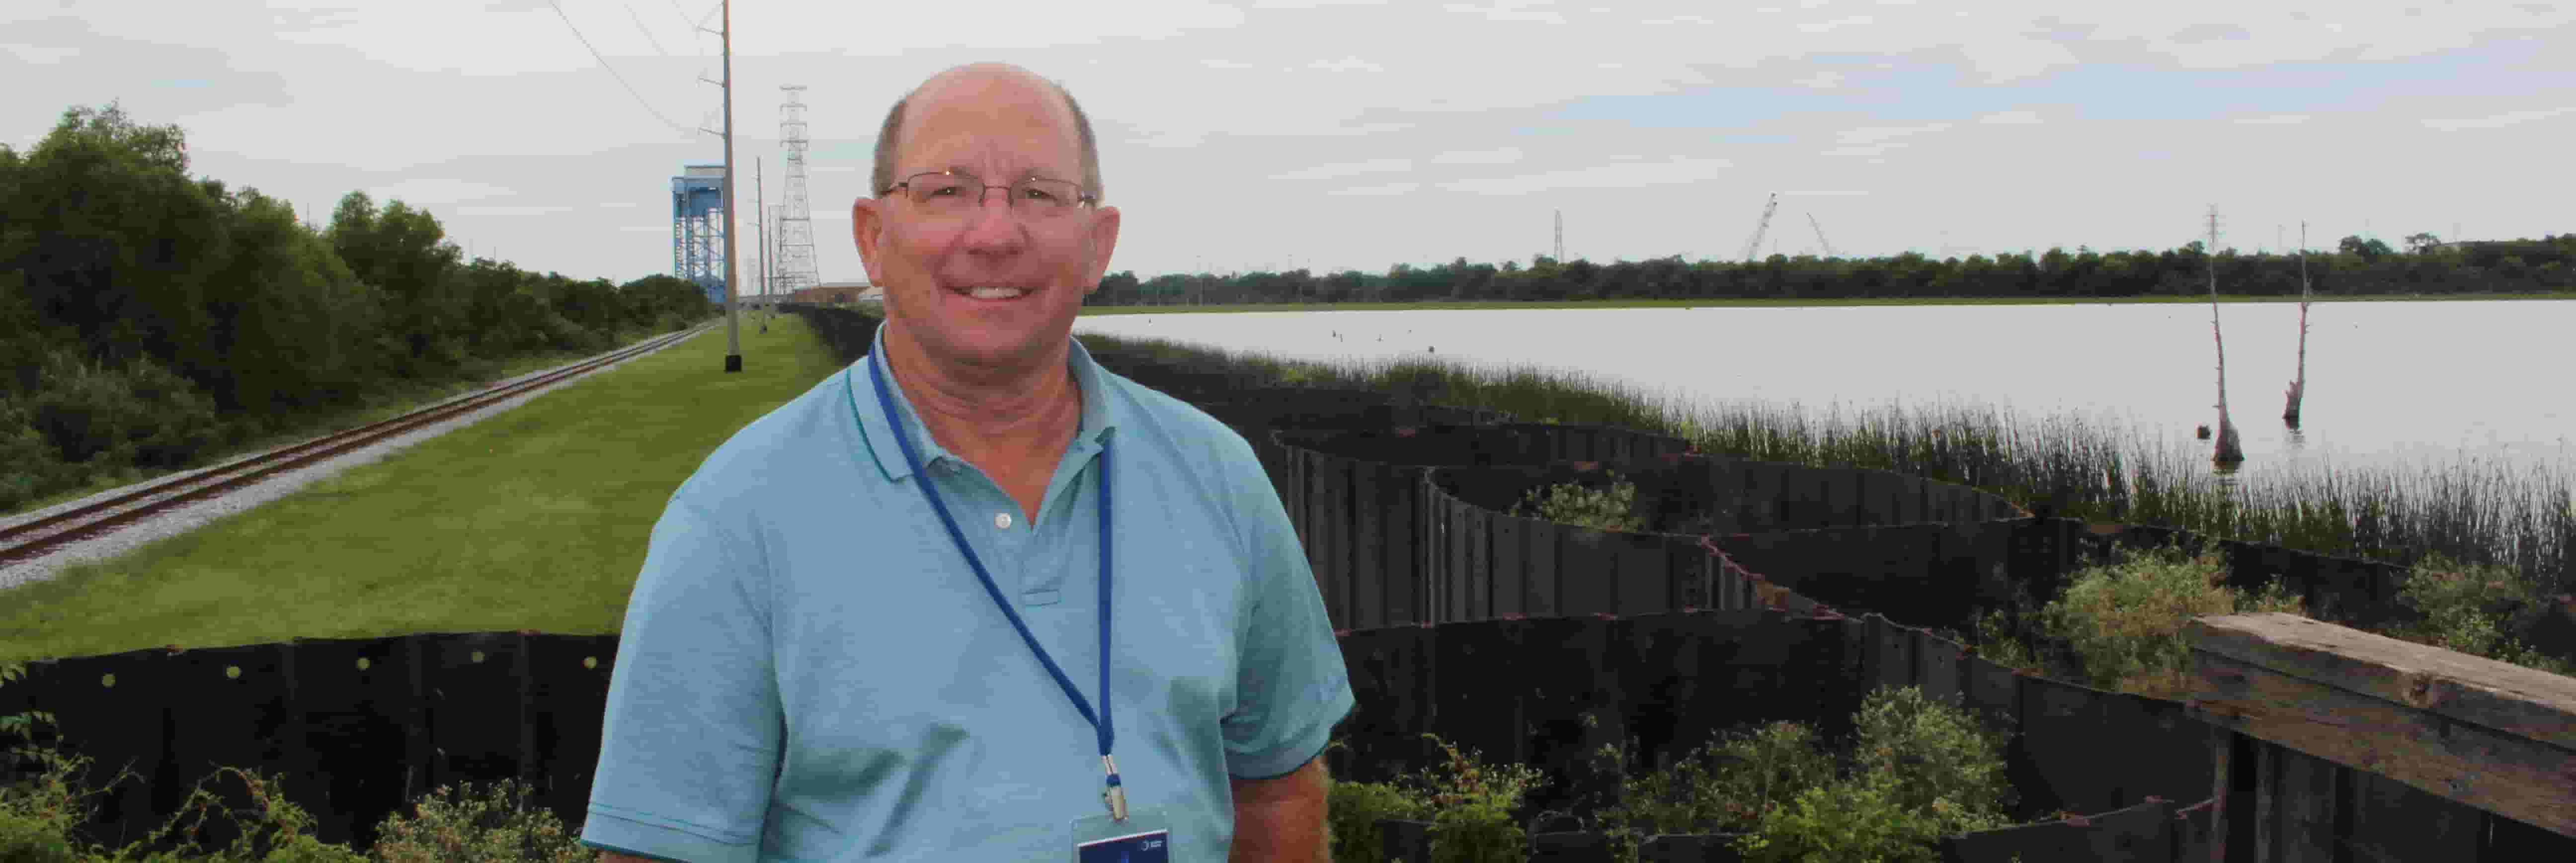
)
(989, 288)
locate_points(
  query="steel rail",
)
(240, 473)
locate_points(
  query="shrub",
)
(1471, 806)
(496, 826)
(30, 466)
(2123, 622)
(1352, 810)
(1722, 787)
(2477, 610)
(1918, 770)
(141, 414)
(1573, 503)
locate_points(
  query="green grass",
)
(534, 519)
(1717, 302)
(394, 398)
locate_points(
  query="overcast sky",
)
(1320, 134)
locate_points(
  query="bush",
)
(142, 414)
(1472, 807)
(1609, 508)
(1915, 770)
(2477, 610)
(498, 826)
(2120, 626)
(1918, 770)
(30, 466)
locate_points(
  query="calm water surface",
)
(2391, 384)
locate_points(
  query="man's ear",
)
(867, 228)
(1104, 240)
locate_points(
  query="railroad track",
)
(36, 538)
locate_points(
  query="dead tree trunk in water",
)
(2230, 452)
(2299, 385)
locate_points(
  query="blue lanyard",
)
(1116, 795)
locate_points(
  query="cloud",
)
(834, 169)
(2012, 118)
(1227, 64)
(1879, 140)
(510, 211)
(1509, 10)
(1388, 189)
(1346, 169)
(658, 229)
(2498, 121)
(42, 55)
(1503, 156)
(619, 205)
(1621, 175)
(1837, 24)
(1825, 80)
(2274, 120)
(1346, 64)
(1841, 193)
(437, 191)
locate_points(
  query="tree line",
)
(2356, 266)
(148, 317)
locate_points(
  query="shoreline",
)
(1725, 302)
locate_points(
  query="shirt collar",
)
(1099, 418)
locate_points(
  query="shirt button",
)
(1002, 521)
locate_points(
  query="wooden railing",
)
(2338, 710)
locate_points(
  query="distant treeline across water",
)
(2357, 266)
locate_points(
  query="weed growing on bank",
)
(39, 816)
(2119, 626)
(1916, 769)
(1611, 508)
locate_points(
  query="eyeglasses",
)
(942, 195)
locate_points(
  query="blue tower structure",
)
(697, 228)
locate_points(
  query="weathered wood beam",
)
(2485, 733)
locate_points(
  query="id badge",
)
(1145, 837)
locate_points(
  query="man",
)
(872, 624)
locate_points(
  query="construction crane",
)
(1820, 237)
(1754, 246)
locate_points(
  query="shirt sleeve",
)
(691, 743)
(1292, 687)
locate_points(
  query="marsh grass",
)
(2475, 511)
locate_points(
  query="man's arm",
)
(1281, 818)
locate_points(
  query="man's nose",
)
(994, 227)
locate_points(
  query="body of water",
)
(2390, 384)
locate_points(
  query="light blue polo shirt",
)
(810, 671)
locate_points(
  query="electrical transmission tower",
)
(1753, 246)
(1820, 237)
(795, 219)
(1560, 236)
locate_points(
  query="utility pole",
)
(760, 204)
(733, 286)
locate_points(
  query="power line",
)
(640, 28)
(612, 70)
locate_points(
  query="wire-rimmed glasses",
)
(944, 195)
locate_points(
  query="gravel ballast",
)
(191, 516)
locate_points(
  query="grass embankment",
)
(533, 519)
(1718, 302)
(390, 399)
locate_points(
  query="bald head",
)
(979, 78)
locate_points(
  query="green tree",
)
(403, 253)
(2369, 251)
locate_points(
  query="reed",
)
(2475, 511)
